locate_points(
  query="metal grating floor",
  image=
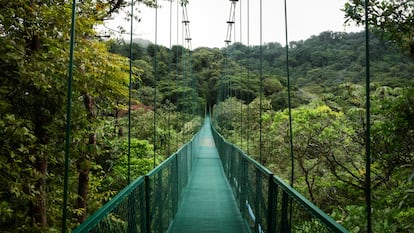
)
(208, 204)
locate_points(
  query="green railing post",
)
(161, 200)
(143, 211)
(271, 203)
(147, 204)
(243, 178)
(174, 184)
(257, 201)
(285, 224)
(241, 181)
(276, 213)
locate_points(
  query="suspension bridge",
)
(209, 185)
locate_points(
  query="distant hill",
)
(330, 58)
(143, 42)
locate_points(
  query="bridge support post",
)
(285, 228)
(242, 179)
(160, 209)
(257, 208)
(174, 185)
(147, 203)
(271, 199)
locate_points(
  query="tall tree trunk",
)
(40, 213)
(41, 120)
(83, 187)
(40, 206)
(84, 163)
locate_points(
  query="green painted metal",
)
(116, 214)
(266, 202)
(130, 91)
(155, 85)
(188, 192)
(208, 204)
(292, 163)
(149, 203)
(68, 118)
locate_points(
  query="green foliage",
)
(393, 20)
(328, 114)
(325, 61)
(309, 227)
(34, 59)
(141, 162)
(329, 155)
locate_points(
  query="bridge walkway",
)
(208, 204)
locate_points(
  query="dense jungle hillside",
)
(171, 91)
(328, 78)
(318, 66)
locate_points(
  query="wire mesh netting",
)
(150, 202)
(268, 204)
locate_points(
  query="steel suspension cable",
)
(230, 27)
(193, 95)
(261, 83)
(184, 67)
(248, 78)
(188, 46)
(155, 83)
(184, 107)
(368, 123)
(169, 83)
(176, 64)
(292, 175)
(68, 117)
(186, 40)
(241, 78)
(130, 92)
(231, 32)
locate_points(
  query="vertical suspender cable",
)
(241, 78)
(68, 117)
(248, 78)
(193, 93)
(368, 131)
(176, 64)
(155, 82)
(184, 67)
(169, 83)
(184, 71)
(187, 62)
(230, 83)
(261, 83)
(292, 175)
(130, 93)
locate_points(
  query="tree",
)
(31, 86)
(394, 20)
(34, 56)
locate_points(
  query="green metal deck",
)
(208, 204)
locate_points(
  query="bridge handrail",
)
(273, 212)
(141, 206)
(108, 207)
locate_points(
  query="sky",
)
(208, 21)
